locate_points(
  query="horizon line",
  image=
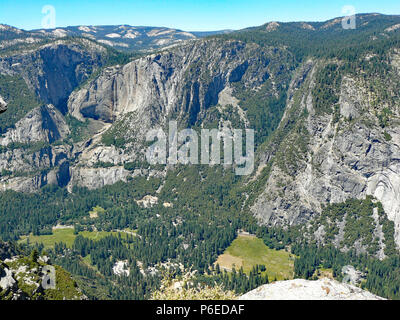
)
(195, 31)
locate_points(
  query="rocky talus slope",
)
(299, 289)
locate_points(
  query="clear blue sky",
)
(190, 15)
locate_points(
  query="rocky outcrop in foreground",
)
(300, 289)
(22, 278)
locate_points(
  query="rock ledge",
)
(300, 289)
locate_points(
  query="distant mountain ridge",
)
(121, 37)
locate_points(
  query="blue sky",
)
(190, 15)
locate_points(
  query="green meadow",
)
(67, 236)
(249, 251)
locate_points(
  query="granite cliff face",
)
(348, 153)
(185, 81)
(127, 101)
(29, 158)
(43, 124)
(54, 70)
(180, 84)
